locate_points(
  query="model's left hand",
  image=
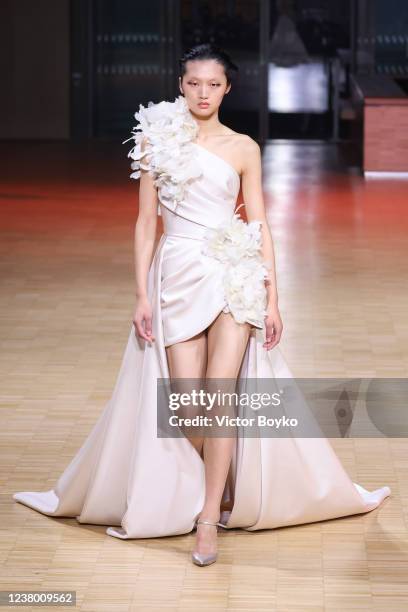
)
(273, 326)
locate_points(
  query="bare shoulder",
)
(251, 146)
(246, 144)
(249, 152)
(243, 140)
(240, 150)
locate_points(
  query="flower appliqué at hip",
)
(237, 245)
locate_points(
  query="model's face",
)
(204, 85)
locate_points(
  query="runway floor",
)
(68, 213)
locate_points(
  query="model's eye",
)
(215, 84)
(192, 83)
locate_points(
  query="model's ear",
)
(180, 87)
(228, 88)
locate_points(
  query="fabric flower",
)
(168, 155)
(238, 246)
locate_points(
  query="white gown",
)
(126, 477)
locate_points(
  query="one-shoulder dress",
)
(208, 260)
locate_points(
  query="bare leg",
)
(188, 360)
(227, 341)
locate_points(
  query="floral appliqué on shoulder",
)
(169, 130)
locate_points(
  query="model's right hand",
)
(142, 320)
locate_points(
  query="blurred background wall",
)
(35, 69)
(78, 69)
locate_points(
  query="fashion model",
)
(206, 306)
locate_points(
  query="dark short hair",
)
(209, 51)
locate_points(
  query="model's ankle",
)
(210, 514)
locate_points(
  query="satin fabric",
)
(143, 486)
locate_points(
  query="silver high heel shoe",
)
(201, 558)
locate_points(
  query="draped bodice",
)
(209, 199)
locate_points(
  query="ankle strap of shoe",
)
(206, 522)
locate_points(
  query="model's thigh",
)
(187, 362)
(188, 359)
(226, 344)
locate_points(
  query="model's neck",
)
(207, 125)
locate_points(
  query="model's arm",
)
(255, 209)
(145, 237)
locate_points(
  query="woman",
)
(205, 300)
(218, 348)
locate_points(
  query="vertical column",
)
(81, 69)
(264, 70)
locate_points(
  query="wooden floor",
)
(68, 216)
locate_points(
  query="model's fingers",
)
(269, 332)
(148, 325)
(273, 334)
(274, 342)
(148, 328)
(140, 330)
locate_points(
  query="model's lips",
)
(203, 105)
